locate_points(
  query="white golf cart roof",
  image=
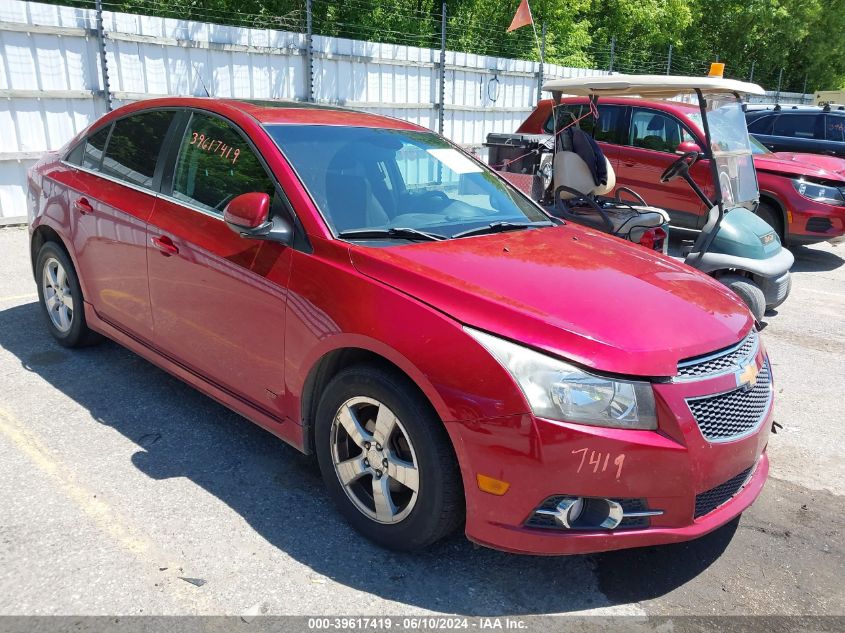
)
(648, 86)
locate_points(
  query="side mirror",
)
(687, 147)
(248, 215)
(247, 212)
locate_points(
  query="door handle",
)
(629, 164)
(83, 206)
(165, 245)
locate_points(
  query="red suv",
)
(364, 290)
(802, 196)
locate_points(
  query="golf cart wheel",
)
(387, 460)
(750, 293)
(772, 217)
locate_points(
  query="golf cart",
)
(734, 245)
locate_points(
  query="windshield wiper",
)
(499, 227)
(403, 233)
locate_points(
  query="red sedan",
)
(367, 292)
(802, 196)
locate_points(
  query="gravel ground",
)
(123, 491)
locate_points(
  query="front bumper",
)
(667, 469)
(811, 222)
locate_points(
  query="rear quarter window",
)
(90, 155)
(835, 128)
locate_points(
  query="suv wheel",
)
(386, 459)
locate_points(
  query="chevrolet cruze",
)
(367, 292)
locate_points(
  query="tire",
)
(60, 296)
(771, 216)
(749, 292)
(409, 520)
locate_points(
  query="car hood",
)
(570, 291)
(809, 165)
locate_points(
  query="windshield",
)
(731, 149)
(380, 180)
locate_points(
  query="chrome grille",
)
(719, 362)
(736, 413)
(708, 501)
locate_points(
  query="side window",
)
(835, 128)
(656, 131)
(795, 125)
(135, 145)
(216, 164)
(92, 155)
(608, 127)
(763, 125)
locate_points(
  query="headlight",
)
(819, 193)
(560, 391)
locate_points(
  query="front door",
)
(218, 298)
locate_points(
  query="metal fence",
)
(63, 66)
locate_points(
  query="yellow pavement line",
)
(31, 295)
(105, 518)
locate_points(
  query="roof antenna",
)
(202, 83)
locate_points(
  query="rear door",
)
(649, 148)
(218, 298)
(114, 195)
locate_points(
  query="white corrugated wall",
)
(51, 85)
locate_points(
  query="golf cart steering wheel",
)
(680, 166)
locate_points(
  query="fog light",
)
(591, 513)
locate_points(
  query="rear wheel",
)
(386, 459)
(772, 217)
(750, 293)
(61, 298)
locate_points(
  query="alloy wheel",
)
(374, 460)
(58, 298)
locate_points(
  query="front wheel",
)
(386, 459)
(750, 293)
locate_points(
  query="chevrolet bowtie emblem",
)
(747, 375)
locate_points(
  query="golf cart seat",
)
(576, 198)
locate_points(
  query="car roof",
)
(282, 112)
(648, 86)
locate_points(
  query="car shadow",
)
(809, 259)
(278, 492)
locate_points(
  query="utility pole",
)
(101, 44)
(612, 52)
(442, 104)
(780, 79)
(309, 51)
(753, 63)
(540, 74)
(804, 89)
(669, 62)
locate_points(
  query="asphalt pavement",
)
(124, 491)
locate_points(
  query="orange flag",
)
(522, 17)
